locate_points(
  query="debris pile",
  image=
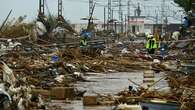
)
(17, 29)
(183, 89)
(34, 72)
(182, 92)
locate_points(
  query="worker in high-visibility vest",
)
(85, 36)
(151, 44)
(83, 42)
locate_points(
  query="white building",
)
(136, 24)
(79, 26)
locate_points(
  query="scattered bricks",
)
(62, 93)
(148, 81)
(44, 93)
(90, 99)
(147, 76)
(149, 73)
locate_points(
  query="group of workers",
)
(188, 27)
(153, 43)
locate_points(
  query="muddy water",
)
(110, 83)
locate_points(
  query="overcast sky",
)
(73, 9)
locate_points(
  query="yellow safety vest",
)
(83, 42)
(151, 43)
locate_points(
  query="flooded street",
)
(108, 83)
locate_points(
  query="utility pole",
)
(41, 7)
(156, 16)
(109, 13)
(138, 10)
(90, 7)
(128, 15)
(163, 16)
(126, 25)
(60, 15)
(59, 8)
(112, 19)
(122, 28)
(104, 18)
(120, 15)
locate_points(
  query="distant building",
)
(148, 28)
(80, 26)
(136, 24)
(172, 27)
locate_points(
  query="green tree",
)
(185, 4)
